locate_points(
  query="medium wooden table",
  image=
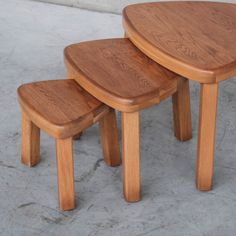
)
(196, 40)
(121, 76)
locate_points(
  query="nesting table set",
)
(166, 44)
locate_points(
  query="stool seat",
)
(60, 107)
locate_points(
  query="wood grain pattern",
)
(30, 148)
(109, 139)
(182, 111)
(206, 138)
(65, 169)
(118, 74)
(131, 156)
(193, 39)
(60, 107)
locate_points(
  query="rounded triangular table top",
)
(193, 39)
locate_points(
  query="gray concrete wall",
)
(114, 6)
(104, 5)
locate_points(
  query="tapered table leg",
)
(206, 136)
(65, 169)
(182, 111)
(30, 147)
(109, 139)
(131, 156)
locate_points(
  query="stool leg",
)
(182, 111)
(109, 139)
(65, 169)
(30, 148)
(206, 136)
(131, 156)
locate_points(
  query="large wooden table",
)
(196, 40)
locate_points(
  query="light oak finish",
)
(206, 138)
(121, 76)
(118, 74)
(193, 39)
(182, 111)
(63, 109)
(65, 169)
(30, 148)
(131, 156)
(109, 137)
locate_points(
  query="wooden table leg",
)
(30, 147)
(131, 156)
(109, 139)
(65, 169)
(182, 111)
(206, 136)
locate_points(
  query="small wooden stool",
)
(63, 109)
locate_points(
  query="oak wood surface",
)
(182, 111)
(30, 146)
(109, 139)
(193, 39)
(60, 107)
(65, 169)
(118, 74)
(206, 138)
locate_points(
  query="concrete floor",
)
(32, 38)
